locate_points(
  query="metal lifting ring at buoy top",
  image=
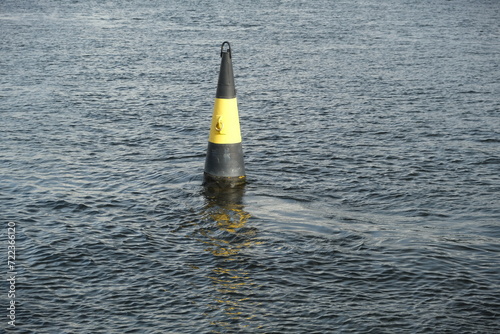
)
(219, 125)
(228, 48)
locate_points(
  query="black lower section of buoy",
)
(224, 163)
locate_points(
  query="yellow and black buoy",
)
(224, 162)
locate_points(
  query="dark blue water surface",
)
(371, 131)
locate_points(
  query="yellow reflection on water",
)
(227, 236)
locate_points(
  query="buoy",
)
(224, 163)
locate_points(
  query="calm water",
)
(371, 131)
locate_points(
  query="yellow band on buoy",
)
(225, 128)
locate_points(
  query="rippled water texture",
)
(371, 132)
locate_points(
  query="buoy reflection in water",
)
(227, 234)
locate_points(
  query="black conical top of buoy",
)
(225, 86)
